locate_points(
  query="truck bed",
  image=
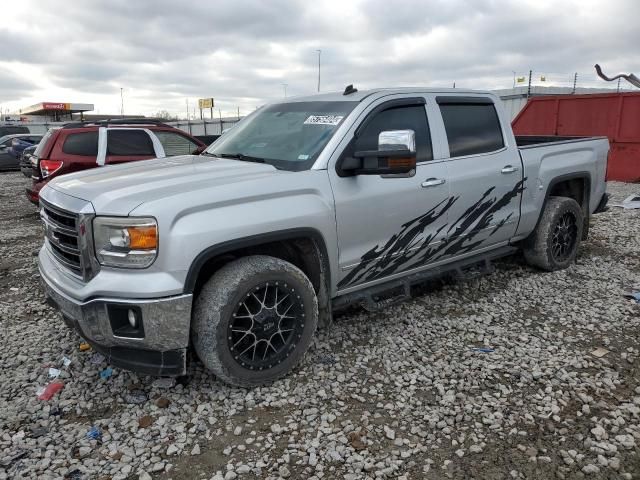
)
(547, 158)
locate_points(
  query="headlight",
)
(125, 241)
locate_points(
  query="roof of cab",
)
(362, 94)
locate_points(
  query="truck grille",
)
(61, 230)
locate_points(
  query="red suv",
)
(79, 146)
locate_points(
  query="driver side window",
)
(412, 117)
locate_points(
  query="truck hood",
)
(119, 189)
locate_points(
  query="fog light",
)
(126, 320)
(133, 321)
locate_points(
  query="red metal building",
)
(616, 115)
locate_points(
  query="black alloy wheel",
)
(565, 235)
(266, 325)
(254, 319)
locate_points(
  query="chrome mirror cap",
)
(397, 140)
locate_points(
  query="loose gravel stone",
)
(491, 377)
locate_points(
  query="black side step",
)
(479, 269)
(378, 299)
(380, 296)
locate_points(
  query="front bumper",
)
(161, 350)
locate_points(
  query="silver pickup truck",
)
(305, 206)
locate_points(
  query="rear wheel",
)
(254, 319)
(554, 243)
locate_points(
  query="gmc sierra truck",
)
(305, 206)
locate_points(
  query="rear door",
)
(121, 145)
(485, 175)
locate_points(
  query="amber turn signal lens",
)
(143, 238)
(402, 162)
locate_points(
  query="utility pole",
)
(575, 81)
(618, 89)
(514, 79)
(319, 54)
(121, 103)
(529, 87)
(238, 113)
(284, 85)
(188, 122)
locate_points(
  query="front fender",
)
(195, 226)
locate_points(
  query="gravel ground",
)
(397, 394)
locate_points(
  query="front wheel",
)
(254, 319)
(554, 243)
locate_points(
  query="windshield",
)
(289, 136)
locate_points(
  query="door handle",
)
(432, 182)
(508, 169)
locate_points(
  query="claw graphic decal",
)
(409, 248)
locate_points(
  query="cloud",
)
(12, 86)
(241, 52)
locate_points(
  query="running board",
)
(381, 296)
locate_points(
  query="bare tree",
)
(163, 115)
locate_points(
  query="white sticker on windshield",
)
(323, 120)
(303, 157)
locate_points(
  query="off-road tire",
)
(539, 247)
(221, 296)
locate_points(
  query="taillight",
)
(49, 167)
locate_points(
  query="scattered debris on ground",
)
(492, 378)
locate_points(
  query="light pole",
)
(121, 103)
(284, 85)
(319, 54)
(514, 79)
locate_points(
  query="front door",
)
(389, 224)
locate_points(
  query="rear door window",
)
(131, 143)
(84, 143)
(471, 128)
(175, 144)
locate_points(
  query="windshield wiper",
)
(241, 156)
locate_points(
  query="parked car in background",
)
(306, 205)
(25, 161)
(18, 144)
(8, 158)
(12, 129)
(81, 146)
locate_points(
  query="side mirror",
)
(396, 154)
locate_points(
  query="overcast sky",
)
(240, 52)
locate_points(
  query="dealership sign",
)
(205, 103)
(56, 106)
